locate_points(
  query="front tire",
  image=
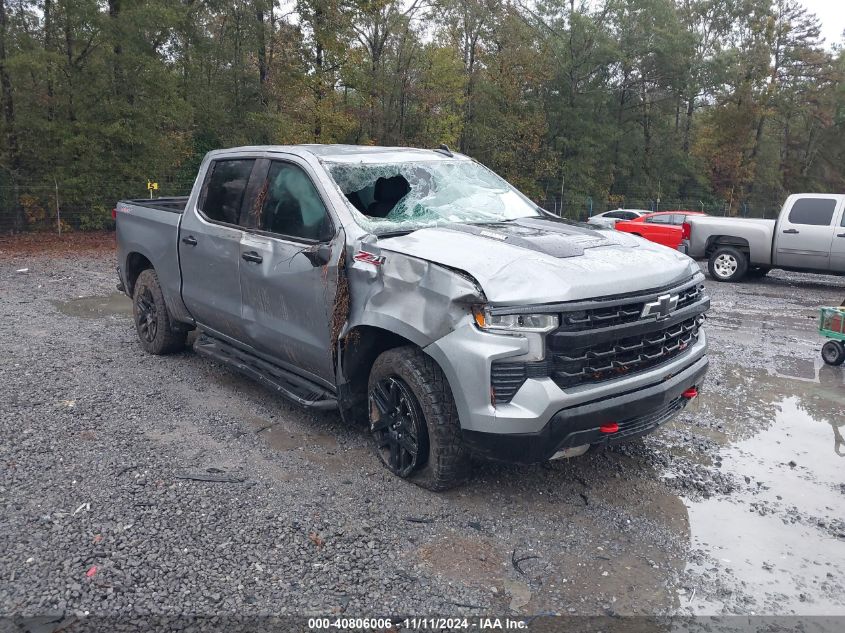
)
(414, 420)
(727, 264)
(833, 353)
(157, 333)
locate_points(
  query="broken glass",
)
(396, 197)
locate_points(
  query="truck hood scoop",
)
(550, 237)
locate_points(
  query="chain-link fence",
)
(59, 206)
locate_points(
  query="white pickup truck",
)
(809, 235)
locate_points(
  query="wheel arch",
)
(716, 241)
(360, 347)
(136, 263)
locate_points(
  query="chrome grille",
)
(593, 318)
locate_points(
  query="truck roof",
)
(351, 153)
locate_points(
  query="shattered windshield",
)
(397, 197)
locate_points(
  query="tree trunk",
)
(48, 47)
(262, 51)
(8, 105)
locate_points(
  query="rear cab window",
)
(812, 211)
(223, 193)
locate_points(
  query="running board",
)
(293, 387)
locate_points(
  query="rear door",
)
(660, 229)
(837, 247)
(210, 248)
(805, 232)
(288, 271)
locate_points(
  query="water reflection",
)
(779, 542)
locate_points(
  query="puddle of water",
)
(96, 307)
(317, 448)
(780, 540)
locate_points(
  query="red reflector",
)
(114, 214)
(690, 393)
(611, 427)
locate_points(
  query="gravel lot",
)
(734, 507)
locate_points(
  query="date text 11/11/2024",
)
(417, 624)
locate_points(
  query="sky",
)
(831, 14)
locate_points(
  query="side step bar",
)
(293, 387)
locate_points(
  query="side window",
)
(292, 205)
(812, 211)
(658, 219)
(628, 215)
(679, 218)
(224, 190)
(613, 214)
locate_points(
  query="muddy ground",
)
(734, 507)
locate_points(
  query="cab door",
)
(805, 233)
(837, 246)
(288, 271)
(209, 248)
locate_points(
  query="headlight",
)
(513, 322)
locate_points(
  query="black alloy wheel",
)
(147, 315)
(396, 423)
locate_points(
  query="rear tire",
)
(157, 333)
(727, 264)
(833, 353)
(414, 420)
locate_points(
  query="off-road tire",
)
(169, 337)
(727, 264)
(758, 272)
(833, 353)
(447, 463)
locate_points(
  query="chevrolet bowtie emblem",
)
(660, 309)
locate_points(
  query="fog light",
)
(610, 427)
(690, 393)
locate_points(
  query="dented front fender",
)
(417, 299)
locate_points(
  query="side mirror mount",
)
(319, 254)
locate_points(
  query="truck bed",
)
(173, 204)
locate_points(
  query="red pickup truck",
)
(663, 227)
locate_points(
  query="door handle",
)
(792, 231)
(840, 235)
(190, 240)
(252, 256)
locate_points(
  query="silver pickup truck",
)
(418, 292)
(809, 235)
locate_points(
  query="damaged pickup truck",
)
(417, 291)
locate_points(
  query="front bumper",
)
(636, 413)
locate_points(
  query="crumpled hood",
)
(535, 260)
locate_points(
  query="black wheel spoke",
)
(408, 443)
(382, 398)
(394, 453)
(383, 422)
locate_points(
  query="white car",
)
(608, 219)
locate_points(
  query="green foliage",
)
(725, 105)
(96, 218)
